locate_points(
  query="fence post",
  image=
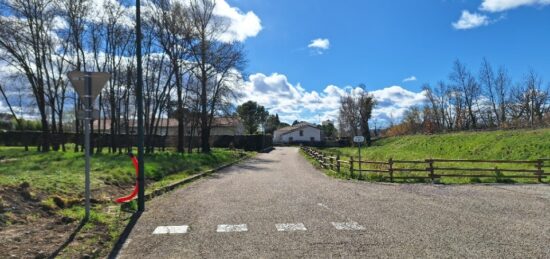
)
(351, 167)
(390, 168)
(539, 169)
(497, 174)
(431, 169)
(338, 163)
(331, 163)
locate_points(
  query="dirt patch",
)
(31, 228)
(27, 229)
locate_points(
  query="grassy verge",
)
(495, 145)
(49, 186)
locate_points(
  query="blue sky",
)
(305, 54)
(381, 43)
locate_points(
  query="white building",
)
(301, 132)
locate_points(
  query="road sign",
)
(81, 114)
(78, 80)
(358, 139)
(88, 85)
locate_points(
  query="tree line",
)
(486, 99)
(189, 73)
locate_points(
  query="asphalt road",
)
(277, 205)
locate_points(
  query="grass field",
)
(493, 145)
(37, 187)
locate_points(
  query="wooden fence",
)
(430, 169)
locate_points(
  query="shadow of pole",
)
(124, 236)
(69, 240)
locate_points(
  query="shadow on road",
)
(124, 236)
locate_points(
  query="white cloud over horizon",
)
(293, 102)
(470, 20)
(504, 5)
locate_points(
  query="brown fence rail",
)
(431, 169)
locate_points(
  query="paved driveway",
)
(277, 205)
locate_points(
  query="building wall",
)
(214, 131)
(308, 133)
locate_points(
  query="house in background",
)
(301, 132)
(220, 126)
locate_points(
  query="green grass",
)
(57, 180)
(62, 173)
(494, 145)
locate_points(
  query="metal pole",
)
(359, 157)
(87, 115)
(139, 100)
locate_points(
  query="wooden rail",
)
(427, 169)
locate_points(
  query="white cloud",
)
(242, 25)
(393, 101)
(319, 45)
(293, 102)
(504, 5)
(409, 79)
(470, 20)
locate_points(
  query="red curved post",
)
(135, 192)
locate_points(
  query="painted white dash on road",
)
(347, 225)
(232, 228)
(171, 230)
(323, 205)
(290, 227)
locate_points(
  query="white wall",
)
(308, 133)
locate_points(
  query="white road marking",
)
(171, 230)
(323, 205)
(232, 228)
(291, 227)
(347, 225)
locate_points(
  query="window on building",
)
(301, 133)
(312, 139)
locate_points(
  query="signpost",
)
(359, 140)
(88, 85)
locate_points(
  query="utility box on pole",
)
(88, 85)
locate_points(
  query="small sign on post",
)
(359, 140)
(88, 85)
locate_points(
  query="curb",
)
(189, 179)
(122, 238)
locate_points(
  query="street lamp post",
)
(139, 104)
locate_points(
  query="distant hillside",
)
(509, 144)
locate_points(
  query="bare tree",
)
(166, 19)
(366, 103)
(216, 64)
(29, 43)
(355, 113)
(466, 86)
